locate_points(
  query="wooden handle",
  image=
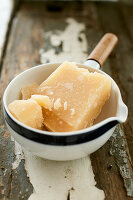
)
(104, 48)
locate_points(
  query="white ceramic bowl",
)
(62, 145)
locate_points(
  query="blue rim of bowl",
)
(59, 140)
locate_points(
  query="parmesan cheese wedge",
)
(78, 97)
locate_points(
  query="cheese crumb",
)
(42, 100)
(57, 104)
(65, 105)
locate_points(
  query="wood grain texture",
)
(23, 51)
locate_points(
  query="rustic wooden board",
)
(23, 51)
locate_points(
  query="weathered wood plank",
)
(127, 13)
(107, 174)
(14, 183)
(120, 63)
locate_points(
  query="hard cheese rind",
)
(78, 94)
